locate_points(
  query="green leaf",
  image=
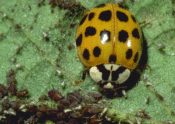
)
(42, 39)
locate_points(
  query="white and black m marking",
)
(109, 75)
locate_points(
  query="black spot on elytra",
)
(83, 19)
(79, 40)
(135, 33)
(105, 15)
(133, 18)
(123, 36)
(86, 54)
(136, 57)
(90, 31)
(100, 6)
(91, 15)
(96, 51)
(105, 72)
(122, 16)
(129, 54)
(103, 35)
(115, 74)
(112, 59)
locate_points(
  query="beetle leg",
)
(83, 77)
(124, 93)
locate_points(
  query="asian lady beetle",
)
(109, 44)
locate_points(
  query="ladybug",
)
(109, 44)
